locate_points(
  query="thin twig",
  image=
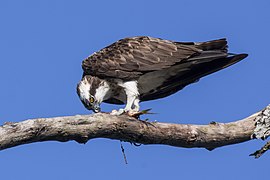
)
(123, 152)
(260, 152)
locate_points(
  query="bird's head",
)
(86, 90)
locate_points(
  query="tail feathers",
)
(219, 44)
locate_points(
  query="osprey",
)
(145, 68)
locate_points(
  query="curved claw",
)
(118, 113)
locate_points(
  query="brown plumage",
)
(143, 58)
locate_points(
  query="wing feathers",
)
(129, 58)
(190, 73)
(140, 54)
(220, 44)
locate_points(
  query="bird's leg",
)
(136, 104)
(132, 103)
(132, 93)
(132, 107)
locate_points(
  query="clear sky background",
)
(42, 44)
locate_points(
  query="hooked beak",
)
(96, 107)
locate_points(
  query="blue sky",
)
(43, 43)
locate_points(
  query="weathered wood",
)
(82, 128)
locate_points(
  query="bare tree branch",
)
(82, 128)
(260, 152)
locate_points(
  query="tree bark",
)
(82, 128)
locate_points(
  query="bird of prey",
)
(145, 68)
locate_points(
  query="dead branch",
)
(82, 128)
(260, 152)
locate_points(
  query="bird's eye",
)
(92, 100)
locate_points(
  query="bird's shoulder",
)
(133, 56)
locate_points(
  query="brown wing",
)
(131, 57)
(191, 75)
(190, 60)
